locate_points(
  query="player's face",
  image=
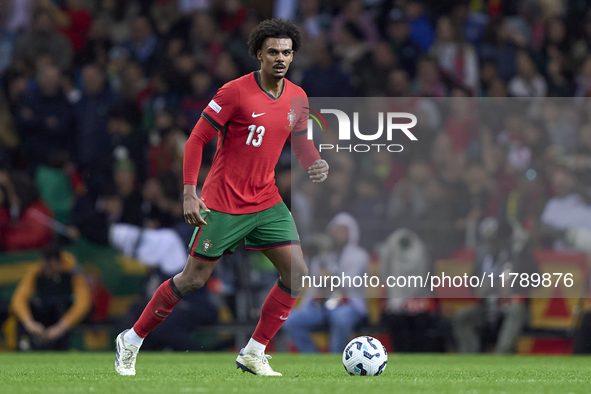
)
(276, 56)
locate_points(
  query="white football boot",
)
(256, 365)
(125, 357)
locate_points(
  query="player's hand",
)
(318, 171)
(191, 206)
(35, 328)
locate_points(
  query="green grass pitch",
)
(216, 372)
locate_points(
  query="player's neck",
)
(271, 85)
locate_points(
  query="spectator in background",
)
(225, 69)
(421, 30)
(461, 123)
(406, 50)
(73, 21)
(368, 209)
(568, 209)
(488, 74)
(237, 47)
(408, 201)
(127, 141)
(370, 76)
(53, 183)
(472, 22)
(7, 42)
(501, 311)
(325, 78)
(167, 143)
(234, 14)
(15, 15)
(351, 47)
(143, 43)
(346, 306)
(9, 139)
(45, 118)
(133, 83)
(127, 188)
(205, 40)
(560, 126)
(201, 92)
(398, 83)
(158, 96)
(50, 300)
(473, 200)
(27, 227)
(528, 82)
(162, 205)
(559, 84)
(428, 81)
(437, 229)
(311, 18)
(91, 118)
(9, 206)
(43, 40)
(583, 79)
(524, 203)
(184, 63)
(457, 58)
(502, 44)
(411, 319)
(353, 13)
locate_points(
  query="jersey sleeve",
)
(303, 148)
(301, 113)
(202, 133)
(223, 106)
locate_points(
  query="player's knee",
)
(302, 270)
(298, 271)
(195, 284)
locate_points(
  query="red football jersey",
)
(252, 127)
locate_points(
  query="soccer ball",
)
(365, 356)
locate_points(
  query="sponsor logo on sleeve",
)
(213, 105)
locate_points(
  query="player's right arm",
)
(202, 133)
(217, 113)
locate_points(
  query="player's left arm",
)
(309, 158)
(306, 152)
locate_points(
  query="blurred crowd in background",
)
(99, 96)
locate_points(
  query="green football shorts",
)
(266, 229)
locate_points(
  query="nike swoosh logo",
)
(256, 115)
(283, 318)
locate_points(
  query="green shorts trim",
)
(271, 228)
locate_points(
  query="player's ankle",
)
(255, 348)
(131, 338)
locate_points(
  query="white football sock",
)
(133, 339)
(255, 347)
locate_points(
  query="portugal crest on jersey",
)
(207, 245)
(291, 116)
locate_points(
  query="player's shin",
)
(274, 313)
(162, 303)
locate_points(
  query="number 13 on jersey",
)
(260, 132)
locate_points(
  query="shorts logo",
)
(207, 245)
(213, 105)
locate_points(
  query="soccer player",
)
(253, 117)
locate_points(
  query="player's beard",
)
(279, 76)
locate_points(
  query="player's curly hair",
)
(273, 28)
